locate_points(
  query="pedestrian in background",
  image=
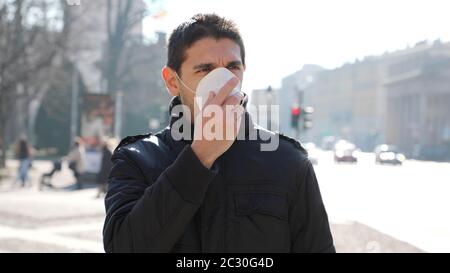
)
(75, 158)
(23, 154)
(105, 167)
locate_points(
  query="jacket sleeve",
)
(310, 230)
(150, 216)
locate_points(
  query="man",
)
(76, 158)
(23, 154)
(211, 195)
(105, 168)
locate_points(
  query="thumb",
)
(210, 96)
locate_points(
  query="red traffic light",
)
(296, 111)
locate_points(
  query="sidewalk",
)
(58, 219)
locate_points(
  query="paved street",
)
(372, 208)
(408, 202)
(52, 220)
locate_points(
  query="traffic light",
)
(295, 115)
(307, 117)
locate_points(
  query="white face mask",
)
(213, 81)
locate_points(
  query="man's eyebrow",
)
(203, 66)
(234, 63)
(211, 65)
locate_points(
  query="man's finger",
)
(233, 107)
(231, 101)
(211, 96)
(225, 91)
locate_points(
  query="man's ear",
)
(170, 80)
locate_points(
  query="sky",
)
(281, 36)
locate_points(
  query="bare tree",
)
(31, 38)
(121, 16)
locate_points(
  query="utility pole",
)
(296, 112)
(74, 105)
(118, 115)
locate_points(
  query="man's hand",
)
(209, 144)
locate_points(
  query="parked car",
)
(388, 154)
(345, 151)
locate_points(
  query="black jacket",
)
(162, 199)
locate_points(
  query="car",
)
(345, 151)
(388, 154)
(312, 152)
(328, 143)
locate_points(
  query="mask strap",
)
(190, 90)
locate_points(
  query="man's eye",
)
(234, 67)
(203, 70)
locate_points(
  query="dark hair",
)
(198, 27)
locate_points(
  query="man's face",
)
(201, 58)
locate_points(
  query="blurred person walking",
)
(76, 158)
(23, 154)
(105, 167)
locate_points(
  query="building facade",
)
(418, 100)
(400, 98)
